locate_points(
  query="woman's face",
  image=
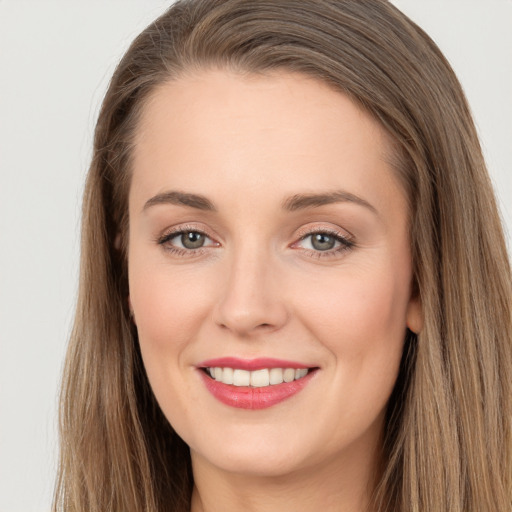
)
(268, 239)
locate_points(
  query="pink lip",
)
(244, 397)
(250, 364)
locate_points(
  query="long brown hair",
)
(448, 439)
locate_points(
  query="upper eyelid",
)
(339, 232)
(334, 234)
(176, 230)
(343, 240)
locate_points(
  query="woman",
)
(295, 292)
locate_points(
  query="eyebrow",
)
(181, 199)
(292, 204)
(303, 201)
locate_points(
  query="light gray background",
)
(55, 61)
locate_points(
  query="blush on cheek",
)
(169, 305)
(353, 309)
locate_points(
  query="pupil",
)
(323, 242)
(192, 240)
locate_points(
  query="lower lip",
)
(254, 398)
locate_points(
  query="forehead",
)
(218, 129)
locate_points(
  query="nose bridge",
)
(250, 298)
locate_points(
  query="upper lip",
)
(258, 363)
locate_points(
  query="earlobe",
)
(414, 318)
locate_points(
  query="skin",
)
(259, 288)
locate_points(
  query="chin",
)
(255, 455)
(253, 463)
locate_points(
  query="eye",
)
(324, 243)
(185, 240)
(191, 239)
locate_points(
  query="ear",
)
(414, 317)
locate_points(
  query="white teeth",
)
(289, 374)
(302, 372)
(260, 378)
(241, 378)
(276, 376)
(257, 378)
(227, 375)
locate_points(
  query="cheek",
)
(169, 306)
(359, 307)
(361, 320)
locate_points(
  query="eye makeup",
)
(316, 242)
(188, 241)
(324, 243)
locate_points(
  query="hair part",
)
(448, 439)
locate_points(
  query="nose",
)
(251, 300)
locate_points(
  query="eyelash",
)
(346, 243)
(178, 251)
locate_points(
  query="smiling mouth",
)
(254, 383)
(257, 378)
